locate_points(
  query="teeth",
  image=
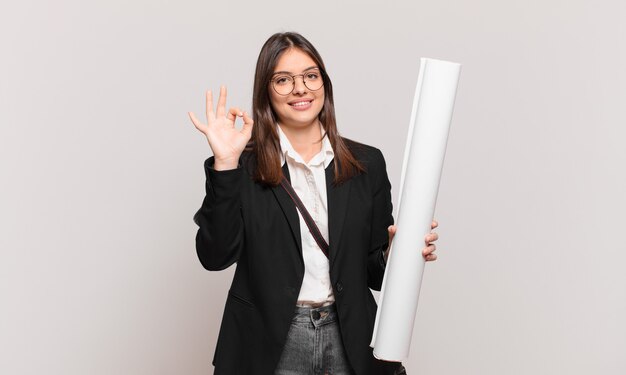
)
(300, 104)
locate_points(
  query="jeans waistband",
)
(317, 316)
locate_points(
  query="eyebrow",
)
(286, 72)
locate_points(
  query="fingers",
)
(247, 123)
(209, 104)
(196, 122)
(434, 224)
(392, 232)
(233, 113)
(431, 257)
(221, 102)
(430, 237)
(429, 252)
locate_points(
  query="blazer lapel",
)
(289, 209)
(337, 209)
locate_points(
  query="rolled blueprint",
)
(421, 172)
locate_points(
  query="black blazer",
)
(258, 228)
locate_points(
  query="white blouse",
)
(309, 182)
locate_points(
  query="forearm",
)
(381, 219)
(219, 240)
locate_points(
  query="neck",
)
(306, 141)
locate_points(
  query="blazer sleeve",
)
(381, 219)
(220, 236)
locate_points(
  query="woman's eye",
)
(282, 80)
(312, 76)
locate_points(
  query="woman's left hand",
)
(428, 252)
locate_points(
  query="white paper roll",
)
(421, 172)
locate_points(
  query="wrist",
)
(225, 164)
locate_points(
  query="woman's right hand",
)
(226, 142)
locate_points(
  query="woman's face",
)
(300, 108)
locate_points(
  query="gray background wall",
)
(102, 171)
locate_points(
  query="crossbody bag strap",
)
(315, 231)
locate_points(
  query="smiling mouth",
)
(301, 103)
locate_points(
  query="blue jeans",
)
(314, 344)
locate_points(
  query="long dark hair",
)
(265, 143)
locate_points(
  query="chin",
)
(298, 121)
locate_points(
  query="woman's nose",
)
(298, 85)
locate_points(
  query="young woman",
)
(291, 308)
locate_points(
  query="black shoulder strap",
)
(317, 235)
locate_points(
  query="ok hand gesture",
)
(226, 142)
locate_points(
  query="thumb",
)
(247, 123)
(392, 232)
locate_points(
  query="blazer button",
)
(339, 287)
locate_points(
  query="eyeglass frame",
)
(293, 76)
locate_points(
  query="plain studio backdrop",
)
(101, 173)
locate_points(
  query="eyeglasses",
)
(284, 83)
